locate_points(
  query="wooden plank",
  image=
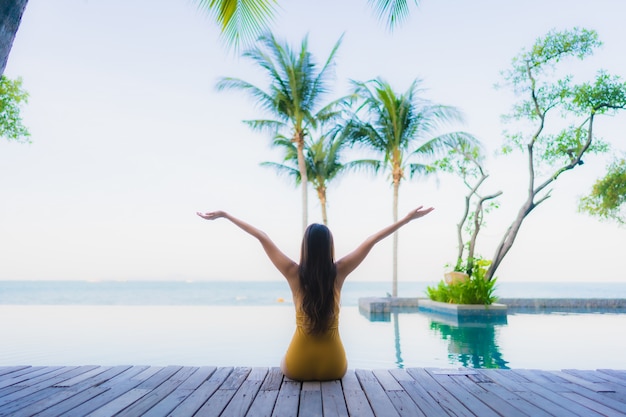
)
(617, 384)
(242, 400)
(560, 400)
(467, 398)
(376, 395)
(23, 370)
(4, 370)
(503, 401)
(131, 396)
(158, 378)
(593, 386)
(512, 398)
(18, 377)
(75, 379)
(263, 403)
(333, 401)
(506, 378)
(46, 376)
(386, 380)
(588, 375)
(199, 396)
(533, 375)
(600, 398)
(69, 399)
(54, 395)
(404, 404)
(34, 392)
(356, 400)
(614, 372)
(448, 402)
(595, 405)
(114, 388)
(418, 394)
(147, 373)
(310, 400)
(220, 399)
(119, 403)
(181, 392)
(156, 395)
(288, 399)
(28, 387)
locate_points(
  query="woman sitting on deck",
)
(316, 352)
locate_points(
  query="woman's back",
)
(315, 356)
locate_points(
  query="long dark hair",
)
(317, 277)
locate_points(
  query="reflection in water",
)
(396, 334)
(472, 344)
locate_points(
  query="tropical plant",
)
(404, 130)
(323, 164)
(11, 98)
(549, 102)
(294, 96)
(607, 199)
(475, 290)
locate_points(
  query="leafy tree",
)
(547, 101)
(297, 85)
(608, 195)
(466, 160)
(404, 130)
(323, 164)
(11, 98)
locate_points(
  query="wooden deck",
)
(220, 391)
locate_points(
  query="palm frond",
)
(283, 169)
(262, 98)
(269, 126)
(392, 12)
(241, 21)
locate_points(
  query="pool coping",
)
(379, 308)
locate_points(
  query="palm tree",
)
(323, 164)
(403, 128)
(297, 86)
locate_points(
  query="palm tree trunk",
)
(10, 17)
(321, 194)
(396, 187)
(302, 167)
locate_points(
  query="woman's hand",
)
(418, 212)
(211, 215)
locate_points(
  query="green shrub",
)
(476, 290)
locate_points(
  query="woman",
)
(316, 352)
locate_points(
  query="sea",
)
(257, 293)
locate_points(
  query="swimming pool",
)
(259, 335)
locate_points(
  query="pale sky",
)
(130, 139)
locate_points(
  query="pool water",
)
(259, 335)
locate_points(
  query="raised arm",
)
(348, 263)
(282, 262)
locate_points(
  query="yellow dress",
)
(315, 357)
